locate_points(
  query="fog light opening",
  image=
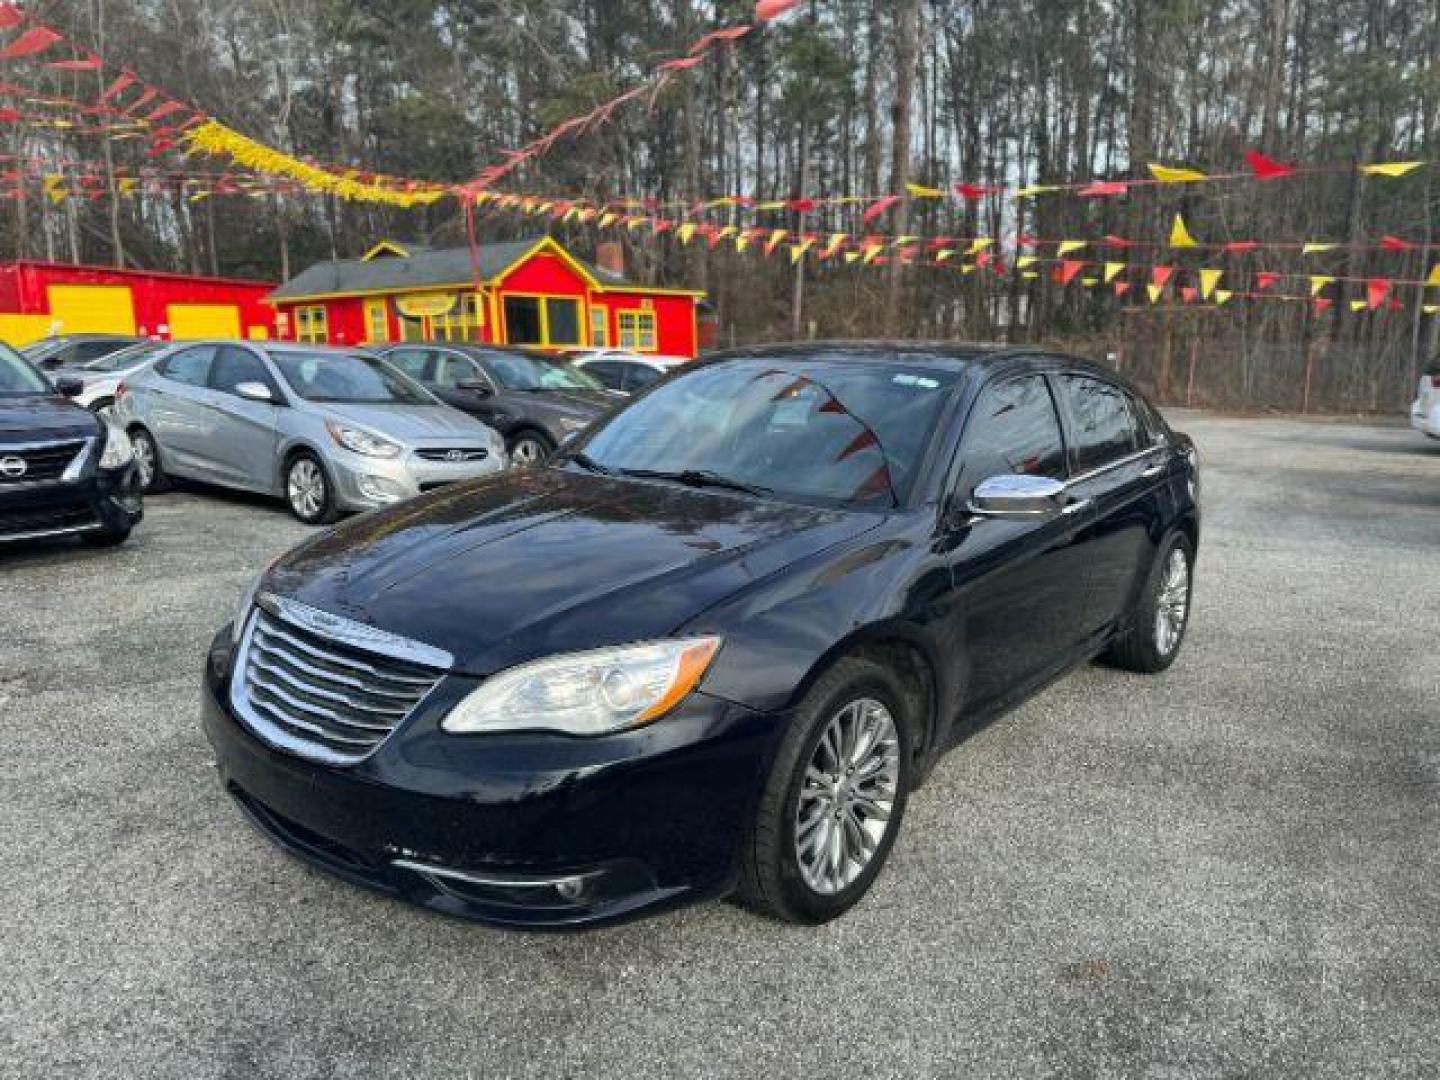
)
(571, 889)
(379, 489)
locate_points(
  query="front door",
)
(1019, 585)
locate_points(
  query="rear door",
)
(245, 439)
(175, 406)
(1117, 470)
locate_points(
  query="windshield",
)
(342, 377)
(843, 432)
(527, 371)
(17, 376)
(38, 350)
(125, 358)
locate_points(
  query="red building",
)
(529, 292)
(40, 299)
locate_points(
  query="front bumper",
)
(366, 483)
(521, 830)
(106, 501)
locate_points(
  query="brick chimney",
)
(610, 256)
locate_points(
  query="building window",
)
(599, 326)
(310, 325)
(562, 321)
(377, 320)
(522, 321)
(637, 330)
(542, 320)
(462, 323)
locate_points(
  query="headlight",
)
(362, 442)
(589, 693)
(118, 452)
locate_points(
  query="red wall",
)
(674, 319)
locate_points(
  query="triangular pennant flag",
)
(1357, 305)
(1235, 247)
(1154, 291)
(1376, 289)
(765, 10)
(1321, 304)
(36, 39)
(1180, 236)
(1394, 243)
(1103, 187)
(980, 243)
(1167, 175)
(686, 232)
(1208, 280)
(872, 252)
(920, 191)
(944, 255)
(1066, 271)
(972, 192)
(1315, 249)
(851, 256)
(1187, 294)
(1222, 296)
(1318, 283)
(1432, 309)
(879, 206)
(1160, 275)
(1112, 270)
(1111, 240)
(1028, 275)
(1434, 276)
(836, 239)
(1121, 288)
(1029, 260)
(1067, 246)
(1266, 168)
(1089, 282)
(1265, 278)
(1391, 168)
(773, 242)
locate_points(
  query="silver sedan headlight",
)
(118, 451)
(362, 442)
(589, 693)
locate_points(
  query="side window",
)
(1014, 429)
(188, 366)
(453, 369)
(1105, 429)
(233, 366)
(1152, 428)
(610, 375)
(87, 351)
(412, 362)
(638, 376)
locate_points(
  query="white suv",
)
(1425, 413)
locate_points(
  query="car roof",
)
(974, 356)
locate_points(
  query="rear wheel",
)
(529, 450)
(1160, 619)
(308, 491)
(832, 806)
(147, 462)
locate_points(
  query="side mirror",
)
(255, 391)
(1018, 498)
(475, 386)
(69, 386)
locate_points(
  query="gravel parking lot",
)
(1228, 870)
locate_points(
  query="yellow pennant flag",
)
(1318, 283)
(904, 241)
(742, 241)
(1432, 309)
(1208, 280)
(774, 205)
(1180, 236)
(726, 232)
(836, 239)
(797, 251)
(1434, 276)
(633, 223)
(1222, 296)
(1167, 175)
(686, 232)
(1391, 168)
(775, 237)
(872, 252)
(968, 268)
(1089, 282)
(919, 191)
(129, 183)
(199, 195)
(1033, 190)
(1029, 275)
(1315, 249)
(55, 189)
(852, 256)
(571, 214)
(1154, 291)
(608, 218)
(1023, 261)
(1358, 305)
(979, 244)
(1067, 246)
(944, 255)
(1112, 271)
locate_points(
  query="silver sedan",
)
(327, 430)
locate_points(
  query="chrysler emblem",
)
(12, 467)
(455, 455)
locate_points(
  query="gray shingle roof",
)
(424, 268)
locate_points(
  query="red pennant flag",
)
(732, 34)
(1321, 303)
(1104, 187)
(972, 192)
(985, 258)
(10, 16)
(879, 206)
(765, 10)
(661, 225)
(1113, 241)
(1376, 289)
(36, 39)
(1066, 271)
(1121, 288)
(1266, 168)
(1160, 275)
(1265, 278)
(802, 206)
(1024, 240)
(1237, 246)
(163, 111)
(9, 116)
(1394, 243)
(684, 63)
(1395, 305)
(88, 63)
(1188, 294)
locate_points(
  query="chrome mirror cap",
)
(1018, 496)
(254, 391)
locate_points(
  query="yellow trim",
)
(637, 315)
(385, 247)
(379, 307)
(646, 290)
(582, 314)
(604, 326)
(316, 332)
(548, 243)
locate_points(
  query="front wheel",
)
(1158, 626)
(147, 462)
(836, 795)
(308, 492)
(529, 450)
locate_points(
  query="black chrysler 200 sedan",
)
(714, 645)
(63, 471)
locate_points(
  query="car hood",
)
(43, 416)
(501, 571)
(407, 423)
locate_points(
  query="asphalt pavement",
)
(1227, 870)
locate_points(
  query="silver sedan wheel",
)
(847, 797)
(1174, 603)
(528, 453)
(144, 452)
(306, 488)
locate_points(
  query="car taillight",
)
(120, 391)
(1435, 382)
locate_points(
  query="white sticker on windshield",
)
(916, 380)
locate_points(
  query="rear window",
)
(1105, 427)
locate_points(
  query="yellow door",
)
(92, 309)
(189, 321)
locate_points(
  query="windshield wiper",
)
(586, 462)
(698, 478)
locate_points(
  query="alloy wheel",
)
(144, 453)
(527, 453)
(306, 488)
(847, 797)
(1174, 602)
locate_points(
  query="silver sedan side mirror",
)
(254, 391)
(1018, 497)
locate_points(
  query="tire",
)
(147, 459)
(308, 491)
(1152, 643)
(107, 538)
(529, 449)
(776, 877)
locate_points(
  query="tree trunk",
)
(907, 52)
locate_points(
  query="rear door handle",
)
(1077, 507)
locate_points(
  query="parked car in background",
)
(716, 643)
(328, 430)
(626, 373)
(63, 471)
(533, 400)
(1425, 412)
(99, 379)
(75, 350)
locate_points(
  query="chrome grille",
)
(38, 463)
(306, 691)
(453, 455)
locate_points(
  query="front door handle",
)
(1077, 507)
(1152, 472)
